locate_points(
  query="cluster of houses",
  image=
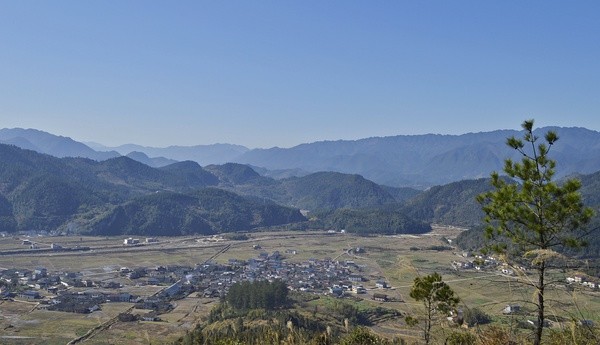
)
(477, 262)
(480, 262)
(70, 291)
(136, 241)
(578, 279)
(41, 279)
(324, 276)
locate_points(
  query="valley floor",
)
(393, 260)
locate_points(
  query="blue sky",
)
(280, 73)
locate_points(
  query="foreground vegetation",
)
(232, 322)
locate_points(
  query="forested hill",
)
(41, 192)
(388, 220)
(237, 174)
(453, 203)
(207, 211)
(590, 190)
(322, 190)
(334, 190)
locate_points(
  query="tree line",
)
(258, 295)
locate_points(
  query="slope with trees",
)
(206, 211)
(330, 190)
(383, 220)
(41, 192)
(452, 204)
(44, 192)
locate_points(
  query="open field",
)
(397, 259)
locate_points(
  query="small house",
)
(381, 284)
(380, 297)
(591, 285)
(359, 289)
(173, 289)
(41, 271)
(511, 309)
(355, 278)
(131, 241)
(29, 295)
(336, 290)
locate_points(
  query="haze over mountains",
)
(418, 161)
(203, 154)
(54, 145)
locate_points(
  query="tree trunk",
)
(428, 325)
(539, 327)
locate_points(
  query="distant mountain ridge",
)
(54, 145)
(418, 161)
(154, 162)
(426, 160)
(202, 154)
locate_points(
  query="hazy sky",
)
(279, 73)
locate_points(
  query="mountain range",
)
(417, 161)
(51, 144)
(121, 195)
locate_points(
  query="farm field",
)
(396, 259)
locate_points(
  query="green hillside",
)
(452, 204)
(236, 174)
(473, 239)
(318, 191)
(207, 211)
(41, 192)
(387, 220)
(330, 190)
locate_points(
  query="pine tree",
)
(534, 213)
(437, 297)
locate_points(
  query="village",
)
(73, 292)
(141, 283)
(478, 262)
(80, 293)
